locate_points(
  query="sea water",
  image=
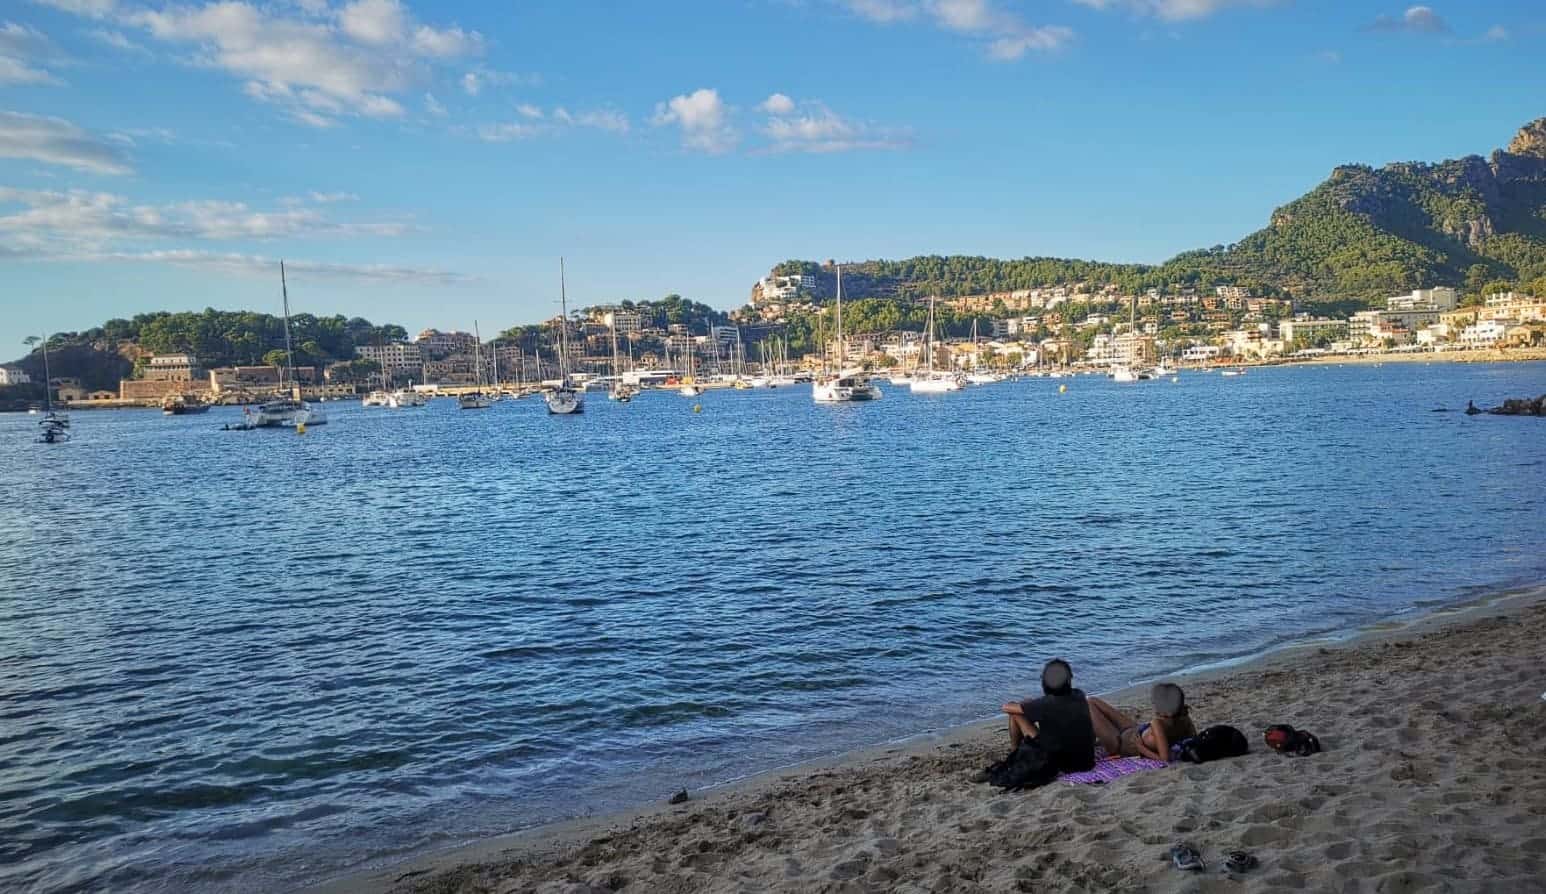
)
(247, 661)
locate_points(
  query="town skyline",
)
(431, 164)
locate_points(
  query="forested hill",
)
(102, 355)
(1362, 234)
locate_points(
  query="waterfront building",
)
(1483, 333)
(172, 368)
(435, 344)
(10, 375)
(394, 357)
(1304, 328)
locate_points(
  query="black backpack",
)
(1214, 743)
(1028, 766)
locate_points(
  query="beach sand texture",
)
(1433, 779)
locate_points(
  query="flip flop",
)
(1241, 861)
(1185, 857)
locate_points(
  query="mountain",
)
(1362, 234)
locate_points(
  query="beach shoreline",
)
(736, 816)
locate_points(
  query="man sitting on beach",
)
(1059, 720)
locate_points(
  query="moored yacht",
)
(565, 400)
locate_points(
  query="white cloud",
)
(94, 9)
(472, 84)
(540, 122)
(329, 198)
(22, 47)
(1496, 33)
(703, 118)
(600, 119)
(14, 72)
(1416, 20)
(258, 265)
(509, 132)
(317, 63)
(57, 141)
(812, 127)
(777, 104)
(116, 39)
(374, 22)
(1172, 10)
(433, 106)
(80, 220)
(1004, 34)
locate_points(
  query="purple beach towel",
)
(1110, 768)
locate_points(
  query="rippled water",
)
(248, 661)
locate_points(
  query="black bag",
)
(1214, 743)
(1028, 766)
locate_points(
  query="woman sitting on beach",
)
(1123, 736)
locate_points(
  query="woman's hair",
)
(1168, 699)
(1057, 678)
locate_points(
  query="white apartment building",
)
(396, 356)
(10, 375)
(1306, 328)
(1232, 293)
(1442, 298)
(1483, 333)
(785, 287)
(626, 322)
(1201, 353)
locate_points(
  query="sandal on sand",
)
(1241, 861)
(1185, 857)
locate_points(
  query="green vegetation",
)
(1364, 234)
(99, 357)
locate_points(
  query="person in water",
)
(1060, 720)
(1123, 736)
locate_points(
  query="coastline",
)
(777, 828)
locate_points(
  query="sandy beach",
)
(1433, 778)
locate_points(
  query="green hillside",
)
(1362, 234)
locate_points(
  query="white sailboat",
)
(53, 428)
(292, 411)
(1129, 372)
(620, 392)
(929, 380)
(476, 400)
(846, 385)
(565, 400)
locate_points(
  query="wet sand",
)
(1433, 778)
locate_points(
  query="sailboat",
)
(619, 392)
(292, 411)
(928, 380)
(53, 428)
(846, 385)
(476, 400)
(1128, 372)
(565, 400)
(690, 386)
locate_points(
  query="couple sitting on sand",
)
(1067, 724)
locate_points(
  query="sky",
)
(429, 163)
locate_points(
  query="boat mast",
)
(563, 327)
(284, 291)
(477, 353)
(48, 380)
(496, 365)
(839, 319)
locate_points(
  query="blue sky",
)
(427, 163)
